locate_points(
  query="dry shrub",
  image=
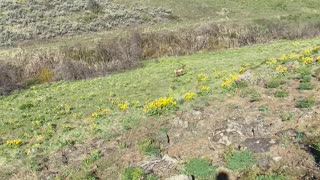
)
(121, 53)
(73, 70)
(10, 78)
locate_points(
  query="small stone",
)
(196, 113)
(272, 141)
(179, 177)
(277, 158)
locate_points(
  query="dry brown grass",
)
(80, 62)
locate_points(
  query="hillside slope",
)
(217, 112)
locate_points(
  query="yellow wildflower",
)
(93, 126)
(14, 142)
(36, 123)
(226, 82)
(318, 59)
(135, 103)
(189, 96)
(67, 127)
(283, 57)
(156, 106)
(291, 56)
(234, 77)
(307, 52)
(123, 106)
(279, 68)
(94, 115)
(307, 60)
(203, 77)
(285, 69)
(242, 70)
(205, 88)
(105, 111)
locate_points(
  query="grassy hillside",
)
(236, 10)
(190, 13)
(90, 117)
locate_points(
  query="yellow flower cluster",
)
(242, 70)
(67, 127)
(189, 96)
(307, 60)
(205, 88)
(94, 126)
(291, 56)
(135, 103)
(318, 59)
(281, 69)
(159, 104)
(14, 142)
(307, 52)
(102, 112)
(272, 61)
(203, 77)
(123, 106)
(230, 80)
(283, 57)
(95, 115)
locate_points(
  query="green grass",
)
(239, 160)
(48, 117)
(281, 93)
(209, 9)
(200, 168)
(305, 86)
(274, 82)
(306, 102)
(149, 147)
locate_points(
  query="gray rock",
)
(259, 145)
(179, 123)
(179, 177)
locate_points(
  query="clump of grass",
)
(306, 102)
(304, 71)
(94, 156)
(305, 78)
(135, 173)
(274, 82)
(281, 93)
(263, 108)
(252, 94)
(149, 147)
(239, 160)
(26, 106)
(132, 173)
(287, 116)
(200, 168)
(305, 86)
(241, 84)
(270, 177)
